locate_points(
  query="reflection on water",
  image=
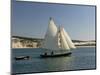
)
(58, 63)
(81, 58)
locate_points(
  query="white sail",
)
(50, 40)
(68, 39)
(64, 44)
(56, 38)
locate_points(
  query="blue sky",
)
(31, 19)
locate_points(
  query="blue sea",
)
(80, 59)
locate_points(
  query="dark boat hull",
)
(56, 55)
(22, 58)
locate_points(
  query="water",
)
(81, 58)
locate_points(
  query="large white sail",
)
(50, 40)
(68, 39)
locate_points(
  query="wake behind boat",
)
(57, 41)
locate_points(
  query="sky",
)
(30, 19)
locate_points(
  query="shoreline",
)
(38, 47)
(84, 46)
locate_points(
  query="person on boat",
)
(45, 53)
(52, 53)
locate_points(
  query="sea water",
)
(80, 59)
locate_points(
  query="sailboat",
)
(56, 42)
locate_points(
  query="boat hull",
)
(22, 58)
(56, 55)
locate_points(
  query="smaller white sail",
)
(63, 42)
(68, 39)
